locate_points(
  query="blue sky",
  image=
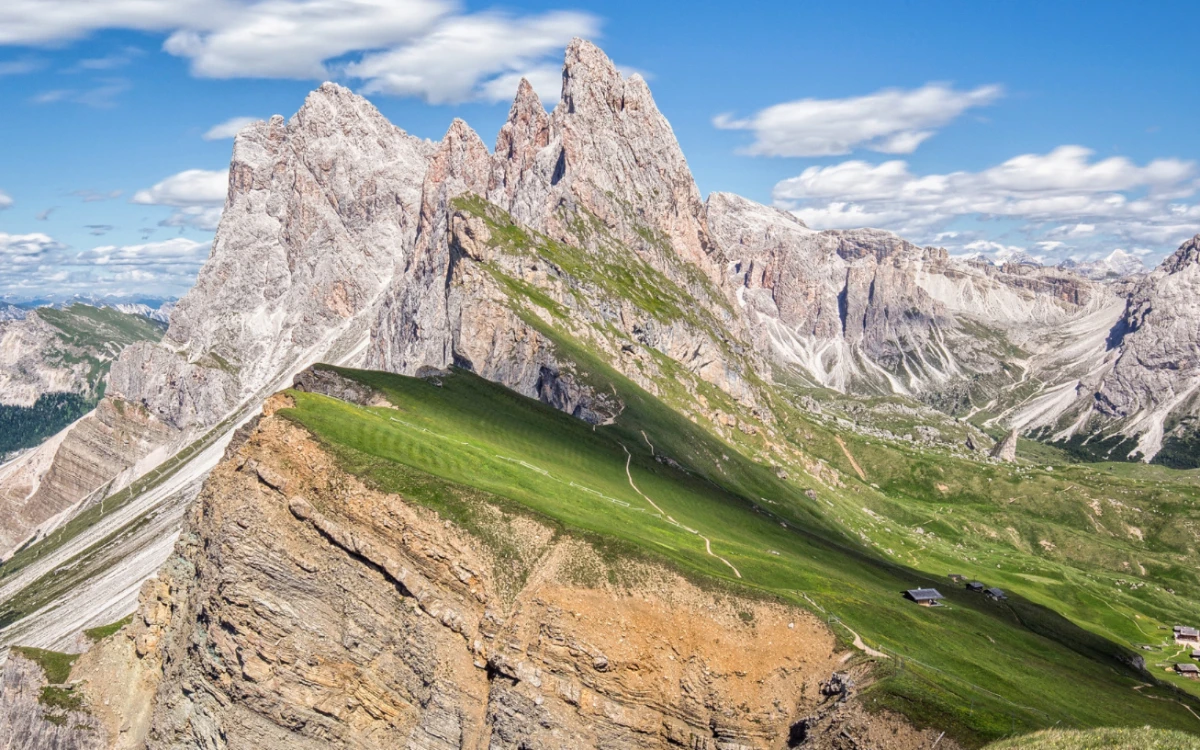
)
(1054, 129)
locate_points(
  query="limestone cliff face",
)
(863, 309)
(603, 176)
(27, 722)
(64, 350)
(1153, 383)
(321, 210)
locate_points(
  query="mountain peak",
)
(332, 107)
(1187, 254)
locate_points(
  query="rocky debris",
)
(1006, 449)
(839, 684)
(330, 383)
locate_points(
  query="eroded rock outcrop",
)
(42, 488)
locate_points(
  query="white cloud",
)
(5, 201)
(427, 48)
(26, 248)
(892, 121)
(294, 38)
(1063, 196)
(177, 250)
(191, 187)
(447, 64)
(545, 79)
(204, 218)
(108, 62)
(227, 129)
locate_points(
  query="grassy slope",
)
(1042, 668)
(1101, 739)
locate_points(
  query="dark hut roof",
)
(923, 595)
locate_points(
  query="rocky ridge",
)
(67, 350)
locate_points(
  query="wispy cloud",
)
(112, 61)
(103, 95)
(92, 196)
(20, 67)
(892, 121)
(227, 129)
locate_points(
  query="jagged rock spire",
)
(523, 136)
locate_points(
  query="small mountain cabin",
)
(975, 586)
(1191, 671)
(924, 597)
(1186, 634)
(995, 594)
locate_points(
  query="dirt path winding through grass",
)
(859, 643)
(1169, 700)
(861, 474)
(667, 516)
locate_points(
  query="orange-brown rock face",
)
(306, 610)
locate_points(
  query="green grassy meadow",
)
(981, 669)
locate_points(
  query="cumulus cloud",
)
(1065, 195)
(427, 48)
(26, 248)
(892, 121)
(197, 195)
(447, 64)
(191, 187)
(227, 129)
